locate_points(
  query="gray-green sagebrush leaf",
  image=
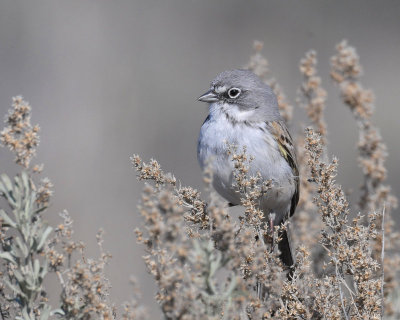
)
(8, 257)
(7, 184)
(58, 312)
(25, 181)
(7, 221)
(45, 314)
(6, 188)
(43, 237)
(23, 250)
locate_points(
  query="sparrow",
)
(243, 111)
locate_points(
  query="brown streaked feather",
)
(287, 150)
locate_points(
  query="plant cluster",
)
(206, 263)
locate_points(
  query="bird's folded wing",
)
(285, 143)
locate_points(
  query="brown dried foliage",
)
(372, 153)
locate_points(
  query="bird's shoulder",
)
(281, 135)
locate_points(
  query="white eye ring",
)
(233, 93)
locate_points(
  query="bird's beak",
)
(209, 96)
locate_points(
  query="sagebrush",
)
(206, 263)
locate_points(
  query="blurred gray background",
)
(107, 79)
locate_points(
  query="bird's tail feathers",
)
(285, 249)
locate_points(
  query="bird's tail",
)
(285, 256)
(286, 251)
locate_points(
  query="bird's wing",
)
(285, 143)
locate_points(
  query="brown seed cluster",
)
(44, 192)
(19, 135)
(312, 95)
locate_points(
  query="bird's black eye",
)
(233, 93)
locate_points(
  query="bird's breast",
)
(218, 132)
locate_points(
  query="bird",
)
(243, 111)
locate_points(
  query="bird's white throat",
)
(231, 110)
